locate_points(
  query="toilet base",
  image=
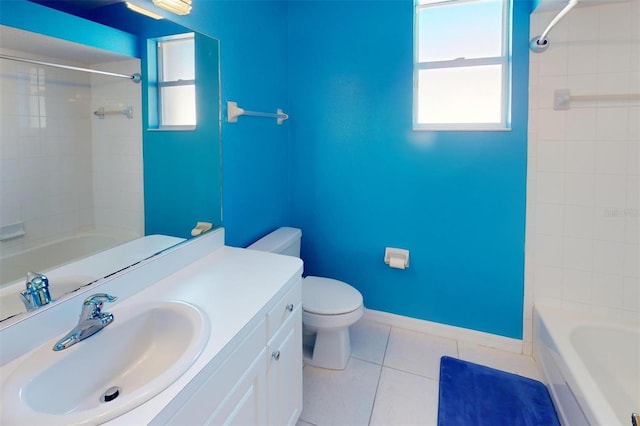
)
(331, 349)
(326, 338)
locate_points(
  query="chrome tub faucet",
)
(36, 293)
(92, 320)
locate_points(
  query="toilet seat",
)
(326, 296)
(317, 321)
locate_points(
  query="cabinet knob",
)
(275, 355)
(289, 307)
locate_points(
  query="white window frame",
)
(171, 83)
(504, 60)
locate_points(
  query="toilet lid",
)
(326, 296)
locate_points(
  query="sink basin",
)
(141, 353)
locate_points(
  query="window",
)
(176, 82)
(461, 65)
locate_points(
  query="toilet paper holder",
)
(396, 258)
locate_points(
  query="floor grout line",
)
(410, 372)
(375, 395)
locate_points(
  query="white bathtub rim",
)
(570, 373)
(60, 271)
(119, 236)
(117, 239)
(84, 269)
(579, 378)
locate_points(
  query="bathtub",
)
(591, 366)
(74, 262)
(55, 253)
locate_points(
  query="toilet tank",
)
(281, 241)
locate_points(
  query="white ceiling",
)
(60, 50)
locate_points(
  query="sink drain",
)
(110, 394)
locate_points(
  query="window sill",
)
(460, 129)
(172, 129)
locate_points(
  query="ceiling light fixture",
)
(143, 11)
(179, 7)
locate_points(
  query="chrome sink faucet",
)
(36, 293)
(92, 320)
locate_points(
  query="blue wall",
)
(363, 180)
(255, 154)
(182, 179)
(348, 169)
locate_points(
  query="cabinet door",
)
(234, 392)
(244, 406)
(284, 374)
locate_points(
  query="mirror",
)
(82, 170)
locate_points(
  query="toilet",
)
(329, 307)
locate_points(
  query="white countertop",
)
(234, 287)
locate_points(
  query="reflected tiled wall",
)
(117, 151)
(583, 178)
(53, 164)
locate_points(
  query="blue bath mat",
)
(472, 394)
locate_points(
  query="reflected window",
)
(176, 82)
(461, 65)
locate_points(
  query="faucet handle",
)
(36, 293)
(36, 281)
(99, 298)
(93, 304)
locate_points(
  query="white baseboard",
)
(443, 330)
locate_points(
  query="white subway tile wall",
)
(117, 151)
(62, 169)
(583, 181)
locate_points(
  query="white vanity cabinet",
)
(249, 368)
(284, 372)
(256, 382)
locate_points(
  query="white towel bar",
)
(234, 111)
(562, 98)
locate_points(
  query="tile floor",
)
(392, 378)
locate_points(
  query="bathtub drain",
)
(110, 394)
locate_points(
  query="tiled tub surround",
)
(583, 175)
(117, 151)
(59, 163)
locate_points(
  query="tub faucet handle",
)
(36, 293)
(37, 280)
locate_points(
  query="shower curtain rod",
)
(136, 78)
(540, 44)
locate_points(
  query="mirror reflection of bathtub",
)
(54, 253)
(87, 258)
(78, 177)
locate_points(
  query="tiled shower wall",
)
(53, 160)
(117, 151)
(582, 185)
